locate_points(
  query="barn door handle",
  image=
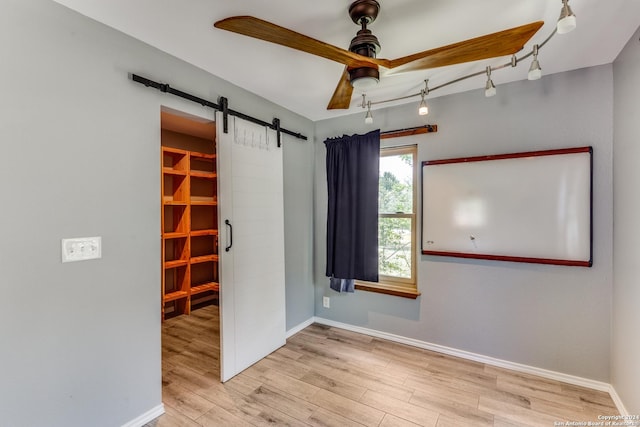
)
(227, 223)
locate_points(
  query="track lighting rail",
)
(468, 76)
(222, 106)
(565, 24)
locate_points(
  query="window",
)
(396, 223)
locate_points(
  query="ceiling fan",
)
(361, 62)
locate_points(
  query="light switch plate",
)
(81, 248)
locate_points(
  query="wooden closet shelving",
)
(189, 228)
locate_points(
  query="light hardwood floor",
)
(326, 376)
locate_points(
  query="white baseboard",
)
(570, 379)
(300, 327)
(616, 399)
(146, 417)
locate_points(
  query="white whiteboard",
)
(523, 207)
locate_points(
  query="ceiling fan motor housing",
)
(364, 12)
(365, 44)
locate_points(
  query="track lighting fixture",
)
(566, 23)
(535, 72)
(567, 20)
(490, 89)
(423, 109)
(368, 118)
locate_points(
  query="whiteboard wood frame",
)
(452, 251)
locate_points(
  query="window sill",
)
(388, 289)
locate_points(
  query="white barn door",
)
(251, 245)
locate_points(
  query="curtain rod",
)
(408, 131)
(223, 106)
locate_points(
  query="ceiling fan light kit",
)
(362, 65)
(364, 78)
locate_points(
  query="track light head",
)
(368, 118)
(535, 72)
(490, 88)
(423, 109)
(567, 20)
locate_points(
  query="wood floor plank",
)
(292, 369)
(190, 379)
(217, 416)
(560, 410)
(589, 396)
(173, 418)
(377, 383)
(501, 422)
(286, 403)
(452, 420)
(185, 401)
(325, 376)
(523, 378)
(538, 391)
(516, 414)
(401, 352)
(288, 353)
(288, 384)
(324, 418)
(455, 412)
(333, 384)
(393, 421)
(241, 383)
(252, 410)
(404, 410)
(355, 411)
(429, 390)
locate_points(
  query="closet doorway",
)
(190, 255)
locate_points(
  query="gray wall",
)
(551, 317)
(80, 150)
(298, 225)
(625, 371)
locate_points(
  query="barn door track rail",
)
(222, 105)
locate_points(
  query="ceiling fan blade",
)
(341, 98)
(263, 30)
(502, 43)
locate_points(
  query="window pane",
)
(396, 184)
(394, 247)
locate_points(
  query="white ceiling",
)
(304, 83)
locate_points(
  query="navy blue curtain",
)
(352, 214)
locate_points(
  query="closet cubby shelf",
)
(189, 229)
(213, 286)
(172, 296)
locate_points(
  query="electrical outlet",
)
(81, 248)
(325, 302)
